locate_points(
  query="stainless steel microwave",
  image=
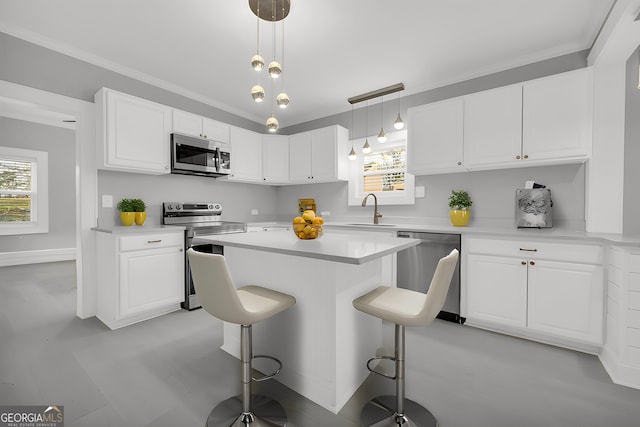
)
(199, 156)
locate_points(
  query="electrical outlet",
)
(255, 212)
(325, 213)
(107, 201)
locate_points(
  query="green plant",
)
(459, 200)
(125, 205)
(138, 205)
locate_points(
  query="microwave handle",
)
(218, 159)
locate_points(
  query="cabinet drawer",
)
(634, 263)
(150, 241)
(536, 250)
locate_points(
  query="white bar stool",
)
(244, 306)
(404, 307)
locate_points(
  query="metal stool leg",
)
(393, 411)
(241, 411)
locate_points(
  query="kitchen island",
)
(322, 341)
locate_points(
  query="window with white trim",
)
(382, 172)
(24, 202)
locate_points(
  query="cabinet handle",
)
(528, 250)
(518, 157)
(523, 262)
(526, 156)
(532, 263)
(154, 241)
(459, 163)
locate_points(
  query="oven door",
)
(190, 298)
(193, 156)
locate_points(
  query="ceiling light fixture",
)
(271, 11)
(381, 136)
(398, 124)
(352, 154)
(366, 148)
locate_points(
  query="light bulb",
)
(275, 69)
(283, 100)
(366, 148)
(257, 93)
(398, 124)
(352, 154)
(381, 136)
(272, 124)
(257, 62)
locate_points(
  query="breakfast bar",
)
(322, 341)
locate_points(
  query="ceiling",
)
(334, 49)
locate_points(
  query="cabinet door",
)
(246, 155)
(493, 127)
(324, 162)
(497, 290)
(215, 131)
(187, 123)
(566, 300)
(556, 116)
(434, 138)
(137, 134)
(150, 279)
(275, 158)
(300, 157)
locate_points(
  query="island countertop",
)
(331, 246)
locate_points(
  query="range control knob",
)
(210, 206)
(177, 207)
(169, 207)
(217, 206)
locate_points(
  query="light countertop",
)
(138, 229)
(331, 246)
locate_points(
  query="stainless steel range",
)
(200, 219)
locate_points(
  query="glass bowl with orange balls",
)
(308, 226)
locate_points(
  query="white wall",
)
(631, 211)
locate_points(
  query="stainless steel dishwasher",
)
(417, 264)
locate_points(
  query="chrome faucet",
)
(376, 214)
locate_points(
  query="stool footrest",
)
(380, 373)
(271, 375)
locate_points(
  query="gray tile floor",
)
(169, 371)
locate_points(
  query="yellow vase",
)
(459, 218)
(127, 218)
(140, 218)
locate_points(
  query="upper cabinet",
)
(435, 138)
(540, 122)
(194, 125)
(275, 159)
(134, 133)
(246, 157)
(317, 155)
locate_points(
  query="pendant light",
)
(257, 93)
(257, 61)
(366, 148)
(381, 136)
(352, 154)
(282, 99)
(272, 122)
(398, 124)
(275, 69)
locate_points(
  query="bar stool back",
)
(244, 306)
(404, 307)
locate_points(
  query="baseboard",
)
(39, 256)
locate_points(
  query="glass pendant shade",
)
(398, 124)
(257, 62)
(283, 100)
(352, 154)
(275, 69)
(381, 136)
(257, 93)
(272, 124)
(366, 148)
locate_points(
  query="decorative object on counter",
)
(306, 205)
(139, 208)
(270, 11)
(308, 226)
(127, 215)
(459, 202)
(371, 95)
(534, 208)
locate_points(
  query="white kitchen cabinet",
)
(493, 127)
(140, 276)
(133, 133)
(246, 155)
(435, 138)
(556, 113)
(551, 292)
(318, 155)
(275, 159)
(203, 127)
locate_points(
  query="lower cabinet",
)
(140, 276)
(550, 292)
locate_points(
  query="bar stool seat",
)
(404, 307)
(244, 306)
